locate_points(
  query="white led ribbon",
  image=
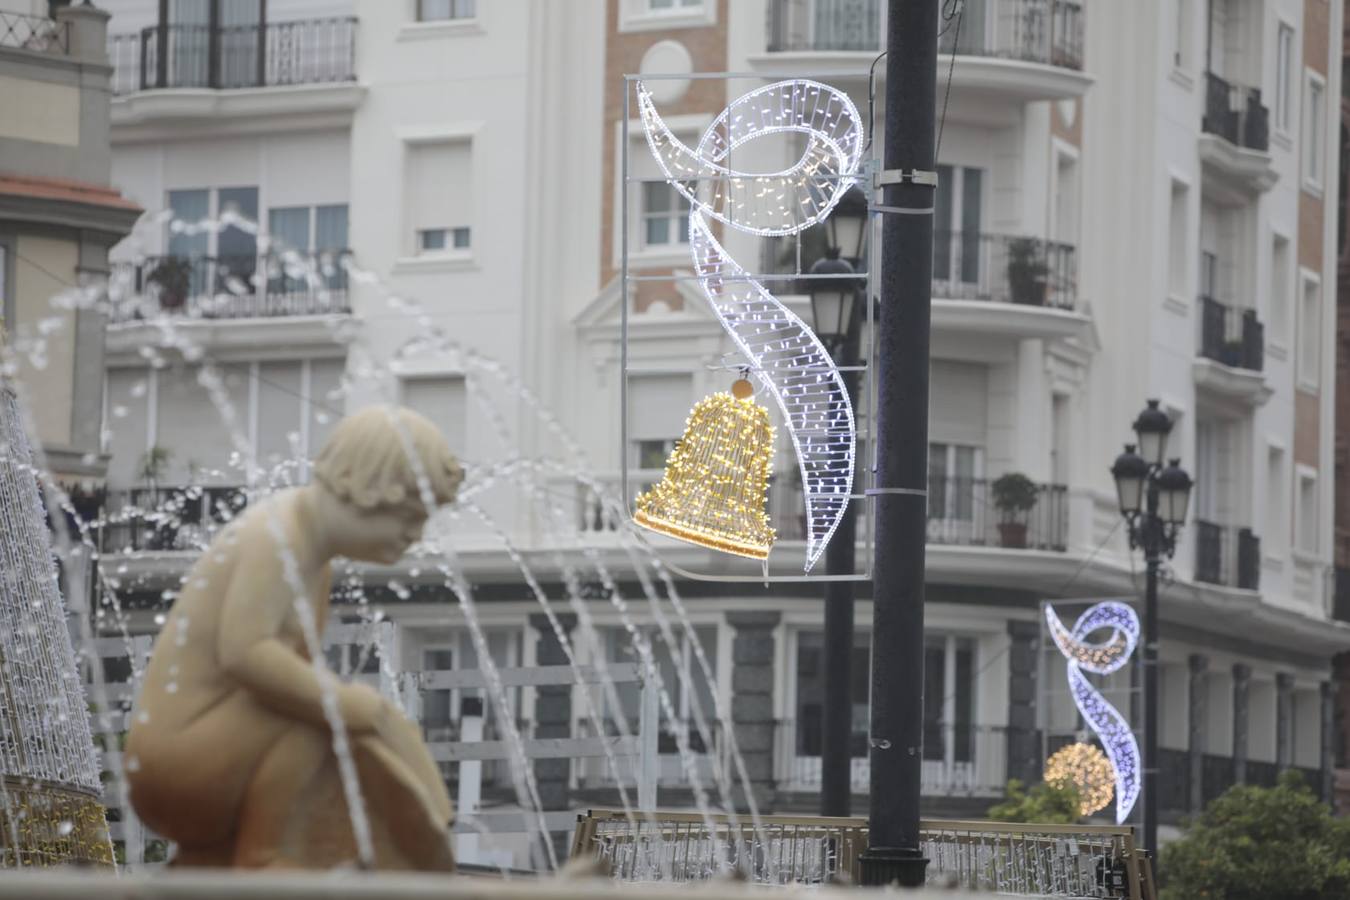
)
(1103, 659)
(786, 356)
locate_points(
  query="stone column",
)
(1242, 682)
(1024, 744)
(1326, 746)
(1197, 715)
(553, 719)
(1284, 720)
(87, 31)
(752, 685)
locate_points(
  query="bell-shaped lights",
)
(1174, 493)
(1130, 472)
(1151, 429)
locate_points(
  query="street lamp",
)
(836, 292)
(1153, 499)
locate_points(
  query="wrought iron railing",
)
(36, 33)
(963, 511)
(967, 265)
(1044, 31)
(231, 287)
(1232, 336)
(960, 759)
(1227, 555)
(1235, 112)
(596, 772)
(306, 51)
(167, 517)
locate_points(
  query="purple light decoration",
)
(1103, 659)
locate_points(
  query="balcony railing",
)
(1234, 112)
(596, 772)
(307, 51)
(35, 33)
(962, 511)
(962, 759)
(232, 287)
(1227, 555)
(167, 517)
(967, 265)
(1232, 336)
(1043, 31)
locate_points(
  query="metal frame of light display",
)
(778, 350)
(1103, 658)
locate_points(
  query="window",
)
(443, 400)
(438, 196)
(318, 233)
(438, 716)
(954, 470)
(1177, 242)
(1310, 332)
(665, 215)
(660, 15)
(660, 6)
(1209, 274)
(1279, 290)
(440, 10)
(1284, 78)
(1314, 131)
(949, 700)
(657, 406)
(1182, 35)
(1305, 522)
(956, 230)
(811, 693)
(429, 239)
(1277, 503)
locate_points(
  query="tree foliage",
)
(1042, 804)
(1255, 843)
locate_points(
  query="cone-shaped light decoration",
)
(716, 481)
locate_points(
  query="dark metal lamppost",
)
(1153, 500)
(836, 291)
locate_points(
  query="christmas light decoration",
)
(1088, 770)
(784, 354)
(1102, 659)
(50, 813)
(716, 481)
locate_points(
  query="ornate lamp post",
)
(1153, 500)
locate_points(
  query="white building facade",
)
(1133, 203)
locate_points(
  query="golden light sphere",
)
(1088, 770)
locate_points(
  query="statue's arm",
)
(255, 604)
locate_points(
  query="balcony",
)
(178, 72)
(1227, 555)
(35, 34)
(959, 760)
(1235, 143)
(1013, 286)
(1025, 49)
(1231, 354)
(166, 518)
(233, 287)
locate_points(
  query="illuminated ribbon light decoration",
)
(786, 356)
(1103, 659)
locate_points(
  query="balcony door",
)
(949, 731)
(215, 43)
(957, 266)
(956, 499)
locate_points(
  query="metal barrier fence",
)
(1055, 861)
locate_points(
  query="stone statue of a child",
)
(230, 754)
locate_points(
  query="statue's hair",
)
(365, 460)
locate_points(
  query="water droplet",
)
(119, 411)
(880, 743)
(133, 764)
(65, 828)
(173, 669)
(138, 389)
(171, 687)
(142, 717)
(160, 618)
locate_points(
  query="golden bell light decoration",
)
(716, 483)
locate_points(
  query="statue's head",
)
(372, 464)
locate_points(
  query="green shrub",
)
(1255, 843)
(1043, 804)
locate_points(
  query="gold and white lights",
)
(1088, 770)
(785, 356)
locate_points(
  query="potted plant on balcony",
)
(152, 466)
(1027, 271)
(173, 276)
(1014, 496)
